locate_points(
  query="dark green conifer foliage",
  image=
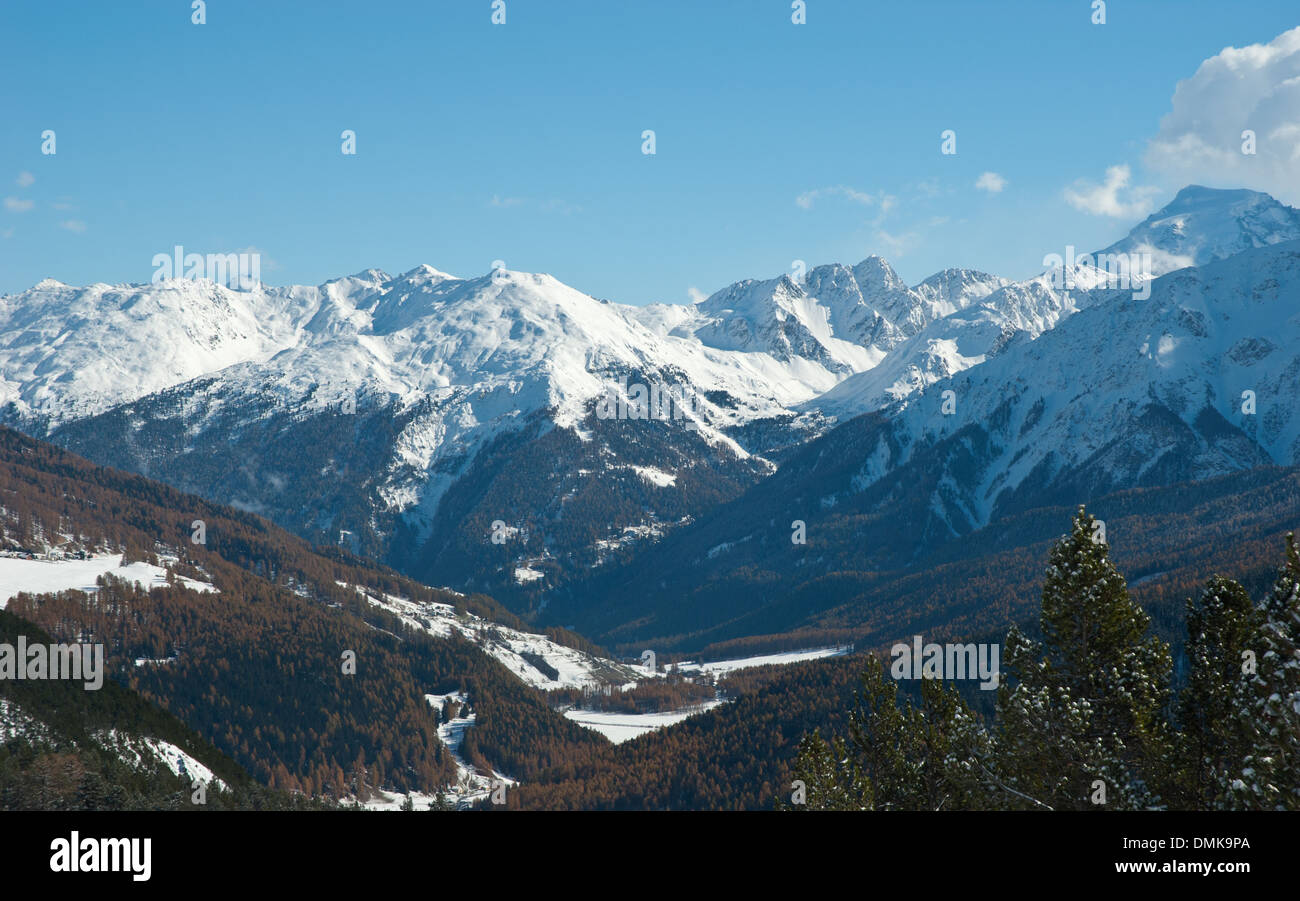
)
(1270, 775)
(1222, 625)
(1084, 718)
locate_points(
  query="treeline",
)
(1087, 716)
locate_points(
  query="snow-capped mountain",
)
(845, 319)
(1005, 315)
(1197, 380)
(461, 426)
(356, 417)
(67, 353)
(987, 314)
(776, 316)
(413, 385)
(1201, 225)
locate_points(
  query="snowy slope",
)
(141, 752)
(944, 346)
(18, 575)
(512, 648)
(1201, 225)
(1128, 392)
(67, 352)
(147, 751)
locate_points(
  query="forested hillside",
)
(258, 667)
(65, 748)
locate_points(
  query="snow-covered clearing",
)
(619, 727)
(18, 575)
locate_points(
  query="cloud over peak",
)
(1252, 89)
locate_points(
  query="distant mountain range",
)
(452, 427)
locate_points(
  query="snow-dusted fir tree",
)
(928, 756)
(1223, 630)
(1270, 776)
(827, 778)
(1082, 720)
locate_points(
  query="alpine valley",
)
(423, 467)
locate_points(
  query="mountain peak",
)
(875, 269)
(367, 275)
(425, 273)
(1200, 195)
(1203, 224)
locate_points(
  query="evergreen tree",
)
(1221, 626)
(955, 751)
(1270, 775)
(1041, 749)
(909, 757)
(1088, 705)
(830, 776)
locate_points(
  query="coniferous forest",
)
(1087, 715)
(1203, 719)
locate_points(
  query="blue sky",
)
(522, 142)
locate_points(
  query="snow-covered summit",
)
(1204, 224)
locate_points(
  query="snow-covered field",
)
(619, 727)
(18, 575)
(728, 666)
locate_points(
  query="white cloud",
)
(73, 225)
(14, 205)
(1114, 196)
(499, 201)
(808, 198)
(991, 182)
(25, 179)
(1254, 88)
(1162, 261)
(695, 294)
